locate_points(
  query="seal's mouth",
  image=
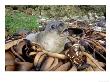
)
(76, 31)
(73, 31)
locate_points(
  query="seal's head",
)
(55, 25)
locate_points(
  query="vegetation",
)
(27, 16)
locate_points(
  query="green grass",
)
(17, 20)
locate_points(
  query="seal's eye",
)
(61, 25)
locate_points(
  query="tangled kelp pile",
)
(85, 51)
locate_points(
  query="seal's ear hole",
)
(53, 26)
